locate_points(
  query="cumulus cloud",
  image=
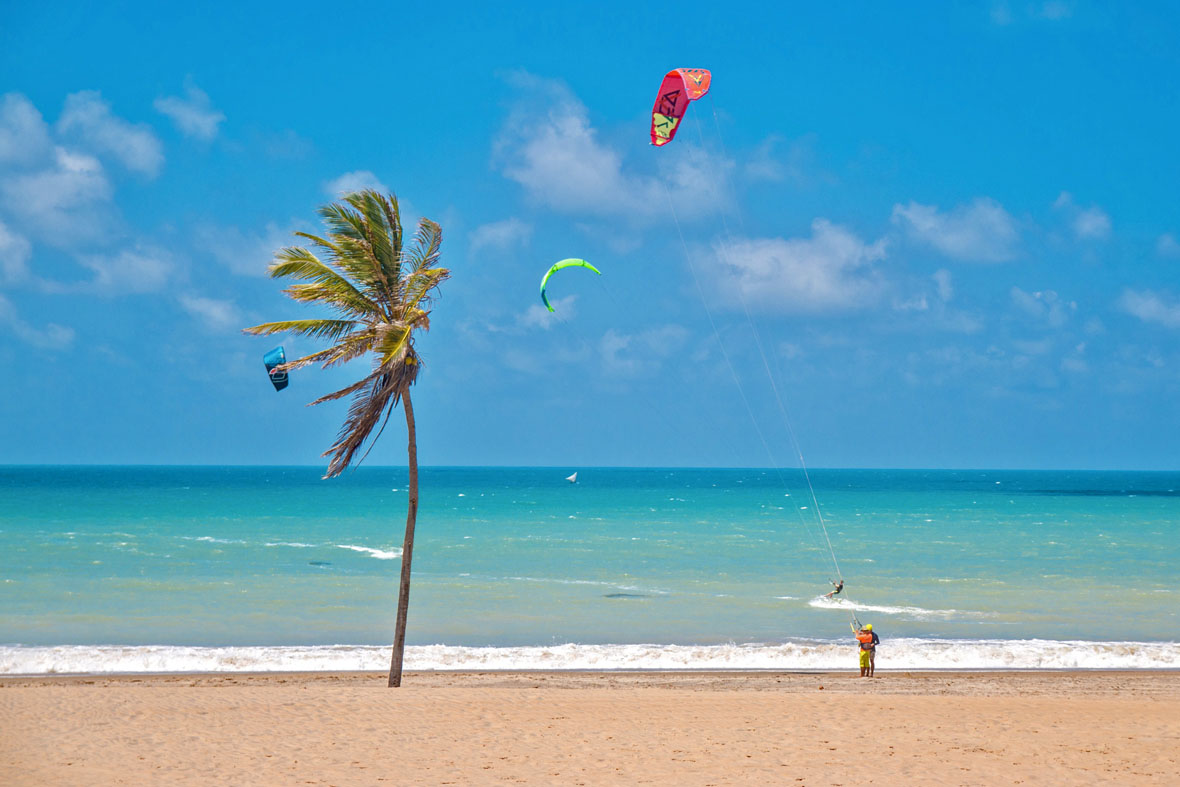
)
(1167, 246)
(245, 253)
(537, 316)
(832, 269)
(942, 280)
(135, 270)
(795, 162)
(51, 337)
(550, 148)
(88, 118)
(629, 354)
(1047, 306)
(1090, 223)
(24, 135)
(981, 231)
(217, 315)
(64, 201)
(193, 114)
(1002, 12)
(14, 256)
(354, 181)
(1151, 307)
(501, 235)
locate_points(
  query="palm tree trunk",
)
(403, 597)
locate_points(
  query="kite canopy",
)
(680, 86)
(272, 359)
(570, 263)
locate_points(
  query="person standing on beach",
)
(868, 640)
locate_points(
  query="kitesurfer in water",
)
(839, 586)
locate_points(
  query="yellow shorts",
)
(864, 659)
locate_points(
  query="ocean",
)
(144, 569)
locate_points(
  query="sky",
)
(926, 235)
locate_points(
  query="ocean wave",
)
(917, 613)
(893, 654)
(380, 554)
(289, 544)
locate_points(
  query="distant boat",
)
(573, 479)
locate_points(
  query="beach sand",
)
(675, 728)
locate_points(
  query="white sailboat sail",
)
(573, 479)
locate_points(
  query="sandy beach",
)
(592, 728)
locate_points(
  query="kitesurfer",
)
(839, 586)
(868, 640)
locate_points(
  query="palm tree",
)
(380, 292)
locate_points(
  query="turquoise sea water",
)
(515, 567)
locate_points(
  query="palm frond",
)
(346, 390)
(427, 245)
(300, 263)
(320, 329)
(391, 342)
(367, 406)
(349, 301)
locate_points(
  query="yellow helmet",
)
(868, 627)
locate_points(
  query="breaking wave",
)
(893, 654)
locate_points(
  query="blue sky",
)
(945, 235)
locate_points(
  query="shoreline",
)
(585, 727)
(994, 682)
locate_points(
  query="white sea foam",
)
(380, 554)
(289, 544)
(893, 654)
(915, 613)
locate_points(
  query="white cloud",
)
(218, 315)
(982, 231)
(245, 253)
(1049, 10)
(796, 163)
(354, 181)
(942, 280)
(501, 235)
(64, 201)
(24, 135)
(1046, 305)
(51, 337)
(1151, 307)
(917, 303)
(550, 148)
(1167, 246)
(1090, 223)
(1054, 10)
(830, 270)
(628, 354)
(194, 114)
(14, 256)
(136, 270)
(88, 118)
(537, 316)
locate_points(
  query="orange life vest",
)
(864, 637)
